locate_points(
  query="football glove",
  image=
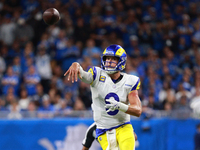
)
(115, 105)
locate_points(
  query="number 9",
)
(116, 97)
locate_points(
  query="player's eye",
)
(108, 58)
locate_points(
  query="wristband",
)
(123, 107)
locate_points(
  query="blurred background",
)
(41, 110)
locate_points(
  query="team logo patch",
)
(102, 78)
(91, 71)
(100, 138)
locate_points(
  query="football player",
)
(114, 98)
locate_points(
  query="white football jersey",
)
(103, 88)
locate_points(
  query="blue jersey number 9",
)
(116, 97)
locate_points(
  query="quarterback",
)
(114, 98)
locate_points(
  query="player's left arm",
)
(135, 107)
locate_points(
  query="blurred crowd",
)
(161, 38)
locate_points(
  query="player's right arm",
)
(75, 71)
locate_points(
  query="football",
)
(51, 16)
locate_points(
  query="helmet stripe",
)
(120, 51)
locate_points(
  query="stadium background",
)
(161, 38)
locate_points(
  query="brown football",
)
(51, 16)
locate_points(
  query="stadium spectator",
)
(54, 97)
(29, 61)
(44, 43)
(158, 36)
(152, 103)
(14, 111)
(79, 105)
(7, 29)
(182, 104)
(17, 67)
(31, 110)
(31, 79)
(182, 92)
(24, 100)
(43, 66)
(64, 109)
(92, 52)
(69, 27)
(46, 104)
(37, 98)
(29, 6)
(131, 23)
(135, 48)
(28, 51)
(182, 47)
(23, 31)
(195, 88)
(15, 50)
(10, 80)
(68, 99)
(145, 35)
(4, 54)
(166, 91)
(196, 35)
(131, 69)
(186, 30)
(27, 58)
(9, 98)
(60, 44)
(57, 77)
(71, 54)
(195, 103)
(80, 30)
(2, 66)
(197, 62)
(167, 106)
(2, 105)
(72, 88)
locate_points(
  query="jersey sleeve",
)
(134, 83)
(137, 85)
(87, 76)
(93, 71)
(90, 76)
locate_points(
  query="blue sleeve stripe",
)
(95, 73)
(134, 88)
